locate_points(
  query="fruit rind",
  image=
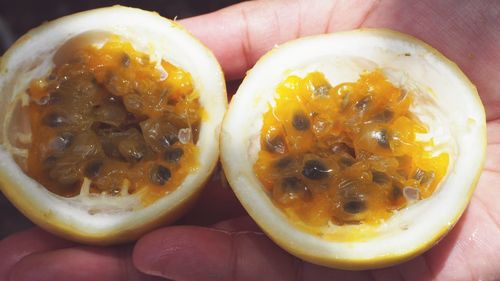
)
(153, 34)
(239, 146)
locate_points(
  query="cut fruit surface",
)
(110, 123)
(111, 116)
(354, 150)
(350, 152)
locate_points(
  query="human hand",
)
(225, 246)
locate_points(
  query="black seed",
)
(347, 162)
(55, 97)
(294, 185)
(62, 141)
(384, 116)
(168, 140)
(300, 121)
(132, 151)
(173, 154)
(290, 184)
(93, 168)
(381, 136)
(125, 60)
(379, 177)
(160, 175)
(342, 147)
(315, 170)
(54, 120)
(283, 162)
(354, 206)
(407, 54)
(49, 162)
(111, 150)
(396, 192)
(276, 144)
(363, 103)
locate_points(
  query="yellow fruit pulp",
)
(347, 154)
(112, 116)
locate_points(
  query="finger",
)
(240, 34)
(466, 33)
(79, 264)
(470, 251)
(188, 253)
(19, 245)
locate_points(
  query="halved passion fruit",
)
(354, 150)
(110, 123)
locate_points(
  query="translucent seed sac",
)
(61, 142)
(276, 144)
(342, 147)
(380, 177)
(322, 90)
(384, 116)
(363, 103)
(93, 168)
(294, 188)
(125, 60)
(382, 138)
(347, 161)
(411, 193)
(283, 162)
(168, 140)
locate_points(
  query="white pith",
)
(149, 33)
(445, 101)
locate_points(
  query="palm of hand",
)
(235, 249)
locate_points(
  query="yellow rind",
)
(335, 261)
(74, 233)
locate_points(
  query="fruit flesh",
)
(112, 116)
(347, 154)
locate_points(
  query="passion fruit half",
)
(354, 150)
(110, 123)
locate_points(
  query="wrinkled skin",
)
(216, 241)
